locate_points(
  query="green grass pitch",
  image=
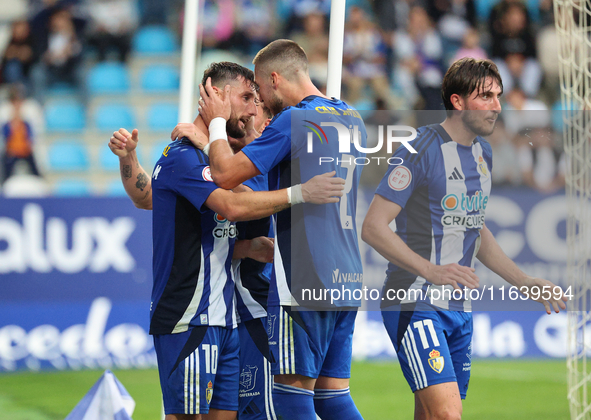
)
(498, 390)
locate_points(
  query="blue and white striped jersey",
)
(316, 246)
(443, 190)
(252, 277)
(192, 246)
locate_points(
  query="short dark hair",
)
(465, 76)
(223, 72)
(283, 56)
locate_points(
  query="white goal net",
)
(573, 25)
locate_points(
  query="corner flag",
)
(106, 400)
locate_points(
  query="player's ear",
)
(217, 90)
(274, 79)
(457, 101)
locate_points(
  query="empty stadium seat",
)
(113, 117)
(108, 161)
(68, 156)
(154, 40)
(71, 188)
(162, 116)
(66, 115)
(107, 78)
(160, 78)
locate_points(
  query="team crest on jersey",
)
(209, 392)
(482, 166)
(399, 178)
(248, 378)
(436, 361)
(206, 174)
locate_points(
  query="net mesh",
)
(573, 25)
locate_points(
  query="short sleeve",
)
(196, 184)
(400, 181)
(269, 150)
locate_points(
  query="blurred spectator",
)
(18, 137)
(364, 58)
(112, 24)
(540, 161)
(506, 166)
(255, 23)
(470, 46)
(297, 10)
(218, 24)
(18, 56)
(314, 41)
(61, 62)
(419, 54)
(514, 48)
(522, 114)
(454, 18)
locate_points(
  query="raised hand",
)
(122, 142)
(214, 103)
(323, 189)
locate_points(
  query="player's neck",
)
(457, 131)
(298, 92)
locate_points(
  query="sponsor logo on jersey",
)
(475, 202)
(225, 232)
(473, 221)
(219, 218)
(206, 174)
(209, 392)
(399, 179)
(436, 361)
(248, 378)
(338, 277)
(203, 319)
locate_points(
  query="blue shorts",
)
(256, 381)
(311, 343)
(199, 370)
(433, 346)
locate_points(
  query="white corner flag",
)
(106, 400)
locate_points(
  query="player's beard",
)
(478, 123)
(275, 104)
(233, 128)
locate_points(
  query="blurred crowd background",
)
(73, 71)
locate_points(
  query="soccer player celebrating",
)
(438, 238)
(192, 312)
(311, 349)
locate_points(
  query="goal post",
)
(573, 27)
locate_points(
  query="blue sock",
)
(293, 403)
(335, 404)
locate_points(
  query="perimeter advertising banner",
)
(75, 281)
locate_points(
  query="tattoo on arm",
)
(142, 181)
(126, 171)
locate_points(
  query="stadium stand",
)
(108, 78)
(160, 78)
(65, 115)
